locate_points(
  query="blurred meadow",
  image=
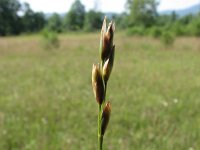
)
(46, 58)
(47, 103)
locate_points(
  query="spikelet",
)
(108, 65)
(105, 118)
(97, 84)
(106, 40)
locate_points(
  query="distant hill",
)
(182, 12)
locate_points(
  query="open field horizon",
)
(47, 102)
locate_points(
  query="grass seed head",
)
(108, 65)
(106, 40)
(105, 118)
(97, 84)
(106, 70)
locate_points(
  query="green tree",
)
(142, 12)
(9, 20)
(93, 20)
(39, 21)
(162, 20)
(74, 20)
(186, 19)
(55, 23)
(121, 20)
(193, 28)
(32, 21)
(174, 16)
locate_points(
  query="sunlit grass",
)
(46, 99)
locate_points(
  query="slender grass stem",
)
(105, 90)
(100, 138)
(100, 142)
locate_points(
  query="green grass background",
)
(47, 103)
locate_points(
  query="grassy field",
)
(47, 103)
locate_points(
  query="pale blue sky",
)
(62, 6)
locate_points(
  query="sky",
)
(62, 6)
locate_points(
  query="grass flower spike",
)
(100, 77)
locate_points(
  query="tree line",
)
(141, 18)
(16, 18)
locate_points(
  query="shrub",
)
(50, 39)
(136, 31)
(155, 32)
(167, 38)
(194, 28)
(179, 29)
